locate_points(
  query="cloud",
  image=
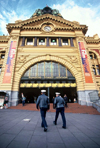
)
(3, 27)
(11, 18)
(84, 15)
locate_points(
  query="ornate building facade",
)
(48, 52)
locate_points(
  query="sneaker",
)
(54, 123)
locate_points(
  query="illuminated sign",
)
(47, 85)
(10, 61)
(85, 63)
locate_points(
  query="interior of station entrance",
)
(43, 73)
(32, 94)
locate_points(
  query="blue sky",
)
(86, 12)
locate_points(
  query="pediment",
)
(37, 22)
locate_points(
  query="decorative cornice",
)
(91, 40)
(46, 17)
(4, 39)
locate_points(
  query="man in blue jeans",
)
(59, 104)
(43, 104)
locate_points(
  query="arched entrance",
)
(51, 76)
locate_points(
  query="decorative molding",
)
(80, 39)
(22, 59)
(15, 37)
(48, 57)
(73, 59)
(20, 49)
(63, 24)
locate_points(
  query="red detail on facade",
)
(96, 51)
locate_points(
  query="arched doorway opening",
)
(48, 75)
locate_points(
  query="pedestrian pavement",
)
(83, 130)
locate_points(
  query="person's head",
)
(57, 94)
(43, 91)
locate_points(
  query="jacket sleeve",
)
(37, 102)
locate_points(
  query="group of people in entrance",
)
(44, 105)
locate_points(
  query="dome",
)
(46, 10)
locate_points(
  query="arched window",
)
(95, 63)
(48, 70)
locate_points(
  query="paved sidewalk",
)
(83, 130)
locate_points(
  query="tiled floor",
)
(83, 130)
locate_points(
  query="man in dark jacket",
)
(59, 104)
(43, 103)
(66, 100)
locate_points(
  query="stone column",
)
(47, 43)
(23, 41)
(60, 41)
(35, 41)
(71, 42)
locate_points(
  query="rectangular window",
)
(29, 41)
(53, 42)
(2, 56)
(65, 42)
(41, 41)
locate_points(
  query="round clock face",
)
(47, 28)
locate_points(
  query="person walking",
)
(59, 104)
(53, 101)
(23, 99)
(43, 104)
(66, 100)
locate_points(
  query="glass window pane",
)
(55, 70)
(41, 69)
(94, 71)
(91, 57)
(62, 71)
(98, 71)
(33, 71)
(26, 74)
(47, 69)
(29, 41)
(69, 73)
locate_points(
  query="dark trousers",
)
(66, 104)
(61, 111)
(23, 102)
(43, 116)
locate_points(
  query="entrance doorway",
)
(48, 75)
(32, 94)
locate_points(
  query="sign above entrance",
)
(85, 62)
(48, 85)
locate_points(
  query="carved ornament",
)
(73, 59)
(22, 59)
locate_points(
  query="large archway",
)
(25, 66)
(48, 75)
